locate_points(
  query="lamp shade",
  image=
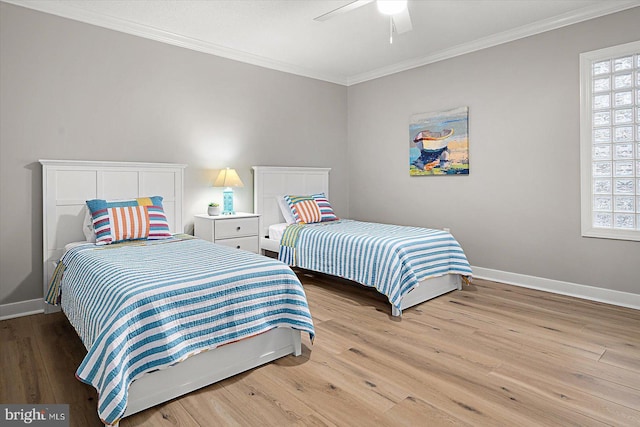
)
(228, 178)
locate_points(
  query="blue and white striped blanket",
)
(391, 258)
(146, 306)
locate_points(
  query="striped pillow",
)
(310, 209)
(119, 220)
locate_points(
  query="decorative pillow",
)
(87, 226)
(310, 209)
(285, 209)
(118, 220)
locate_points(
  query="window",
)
(610, 142)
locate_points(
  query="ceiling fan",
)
(399, 18)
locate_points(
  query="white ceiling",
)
(347, 49)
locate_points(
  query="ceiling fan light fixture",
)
(391, 7)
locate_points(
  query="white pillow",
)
(285, 209)
(87, 226)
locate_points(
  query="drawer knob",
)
(238, 247)
(238, 228)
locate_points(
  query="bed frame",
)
(66, 185)
(271, 181)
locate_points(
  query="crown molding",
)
(570, 18)
(66, 10)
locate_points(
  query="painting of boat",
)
(433, 140)
(438, 143)
(432, 146)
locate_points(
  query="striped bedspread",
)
(391, 258)
(145, 306)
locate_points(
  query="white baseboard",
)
(623, 299)
(22, 308)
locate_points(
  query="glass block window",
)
(610, 142)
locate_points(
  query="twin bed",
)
(409, 265)
(161, 318)
(165, 317)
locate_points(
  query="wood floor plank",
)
(16, 328)
(493, 393)
(623, 359)
(24, 379)
(429, 377)
(61, 356)
(560, 393)
(576, 319)
(333, 402)
(168, 414)
(413, 411)
(215, 405)
(581, 375)
(531, 356)
(275, 405)
(373, 386)
(467, 397)
(284, 398)
(491, 354)
(532, 325)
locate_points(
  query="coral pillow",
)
(310, 209)
(120, 220)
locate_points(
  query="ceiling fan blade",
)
(343, 9)
(402, 21)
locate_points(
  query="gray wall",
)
(519, 209)
(76, 91)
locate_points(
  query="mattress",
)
(276, 231)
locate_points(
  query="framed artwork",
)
(439, 143)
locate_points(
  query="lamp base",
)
(227, 201)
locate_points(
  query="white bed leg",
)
(395, 312)
(297, 344)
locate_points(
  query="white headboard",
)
(68, 184)
(272, 181)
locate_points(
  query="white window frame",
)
(586, 141)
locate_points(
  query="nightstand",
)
(239, 230)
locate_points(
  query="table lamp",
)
(228, 178)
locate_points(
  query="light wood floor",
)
(490, 354)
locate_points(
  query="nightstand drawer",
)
(245, 243)
(237, 227)
(239, 230)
